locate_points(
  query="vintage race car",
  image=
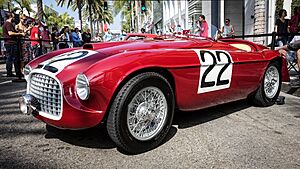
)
(135, 86)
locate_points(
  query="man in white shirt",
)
(294, 46)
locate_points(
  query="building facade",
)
(175, 13)
(248, 16)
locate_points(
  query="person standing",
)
(86, 36)
(294, 24)
(10, 34)
(281, 26)
(54, 37)
(75, 38)
(34, 37)
(46, 36)
(107, 36)
(97, 38)
(203, 26)
(227, 29)
(68, 37)
(23, 27)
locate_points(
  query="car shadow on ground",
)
(193, 118)
(98, 137)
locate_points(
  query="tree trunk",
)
(91, 22)
(260, 20)
(79, 13)
(279, 6)
(137, 16)
(40, 12)
(97, 26)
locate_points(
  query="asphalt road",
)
(235, 135)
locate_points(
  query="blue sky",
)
(115, 26)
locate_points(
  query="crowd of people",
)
(36, 39)
(202, 29)
(289, 44)
(41, 40)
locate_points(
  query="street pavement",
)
(235, 135)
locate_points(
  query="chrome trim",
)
(271, 82)
(87, 83)
(46, 86)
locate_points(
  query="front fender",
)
(106, 75)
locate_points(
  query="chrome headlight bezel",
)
(82, 86)
(27, 70)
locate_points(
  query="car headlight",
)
(82, 87)
(27, 70)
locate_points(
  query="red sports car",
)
(135, 86)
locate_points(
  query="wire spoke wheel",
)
(142, 113)
(147, 113)
(269, 87)
(271, 82)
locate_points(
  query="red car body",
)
(141, 35)
(110, 65)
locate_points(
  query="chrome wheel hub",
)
(271, 82)
(147, 113)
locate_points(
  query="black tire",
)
(260, 98)
(117, 126)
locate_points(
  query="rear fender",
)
(284, 70)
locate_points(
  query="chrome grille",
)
(47, 91)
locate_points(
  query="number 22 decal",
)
(215, 70)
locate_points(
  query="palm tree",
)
(23, 4)
(87, 6)
(79, 5)
(40, 12)
(90, 10)
(102, 18)
(126, 7)
(6, 4)
(100, 15)
(66, 19)
(51, 17)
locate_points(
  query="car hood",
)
(112, 48)
(69, 64)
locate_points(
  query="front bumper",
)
(72, 117)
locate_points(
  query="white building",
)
(248, 16)
(175, 13)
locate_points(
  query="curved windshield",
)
(118, 38)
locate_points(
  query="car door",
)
(218, 81)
